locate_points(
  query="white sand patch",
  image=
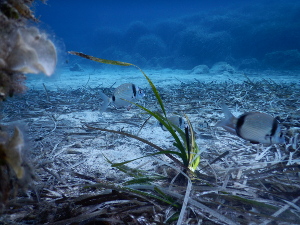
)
(89, 157)
(64, 78)
(78, 118)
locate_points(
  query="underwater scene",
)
(150, 112)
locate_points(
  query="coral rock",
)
(32, 53)
(221, 68)
(200, 69)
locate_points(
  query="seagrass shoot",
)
(184, 141)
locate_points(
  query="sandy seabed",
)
(173, 84)
(67, 156)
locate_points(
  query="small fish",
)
(175, 120)
(255, 127)
(127, 91)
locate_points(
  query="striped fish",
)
(255, 127)
(175, 120)
(127, 91)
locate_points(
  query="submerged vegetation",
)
(23, 49)
(77, 180)
(185, 142)
(248, 35)
(235, 183)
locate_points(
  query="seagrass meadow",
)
(75, 178)
(64, 160)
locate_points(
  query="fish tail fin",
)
(106, 101)
(228, 123)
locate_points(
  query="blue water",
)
(262, 34)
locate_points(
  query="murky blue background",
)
(261, 34)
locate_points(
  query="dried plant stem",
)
(185, 201)
(281, 210)
(47, 94)
(87, 81)
(190, 201)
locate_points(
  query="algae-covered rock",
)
(221, 68)
(22, 49)
(32, 52)
(200, 69)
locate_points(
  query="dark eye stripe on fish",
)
(113, 98)
(274, 127)
(134, 90)
(239, 124)
(180, 121)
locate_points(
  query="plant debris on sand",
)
(75, 184)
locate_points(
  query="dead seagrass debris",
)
(238, 182)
